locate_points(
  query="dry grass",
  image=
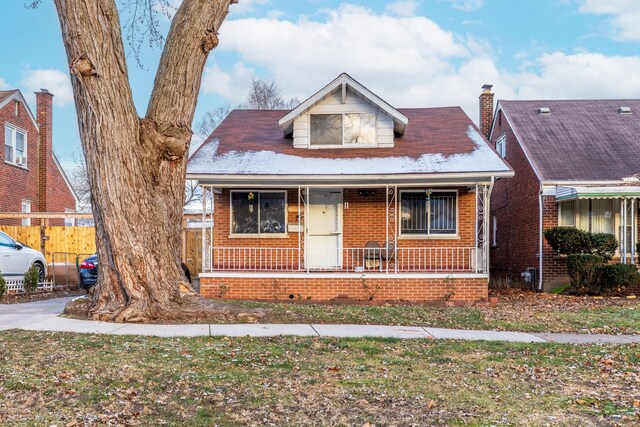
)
(75, 379)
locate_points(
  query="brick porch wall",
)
(323, 289)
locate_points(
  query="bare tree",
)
(211, 119)
(266, 95)
(80, 181)
(136, 165)
(263, 95)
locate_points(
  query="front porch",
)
(425, 230)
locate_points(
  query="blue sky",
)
(411, 52)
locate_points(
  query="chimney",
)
(44, 116)
(486, 110)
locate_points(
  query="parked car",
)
(16, 258)
(88, 272)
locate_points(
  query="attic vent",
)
(544, 110)
(624, 110)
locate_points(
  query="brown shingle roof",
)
(249, 135)
(6, 93)
(579, 140)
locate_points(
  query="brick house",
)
(346, 196)
(31, 178)
(576, 164)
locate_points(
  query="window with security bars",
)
(424, 214)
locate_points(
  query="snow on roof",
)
(265, 162)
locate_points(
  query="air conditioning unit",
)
(22, 161)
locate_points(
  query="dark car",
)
(88, 272)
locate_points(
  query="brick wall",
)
(364, 219)
(323, 289)
(41, 174)
(515, 204)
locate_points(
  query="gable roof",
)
(342, 81)
(578, 140)
(7, 96)
(438, 141)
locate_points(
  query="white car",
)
(16, 258)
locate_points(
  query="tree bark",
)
(136, 165)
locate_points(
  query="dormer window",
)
(343, 129)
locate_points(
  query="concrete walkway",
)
(44, 316)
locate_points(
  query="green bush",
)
(31, 278)
(584, 271)
(603, 244)
(615, 279)
(3, 286)
(567, 240)
(570, 240)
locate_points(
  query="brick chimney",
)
(486, 110)
(44, 117)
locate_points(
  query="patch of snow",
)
(263, 162)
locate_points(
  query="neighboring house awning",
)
(564, 193)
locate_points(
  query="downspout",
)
(488, 222)
(540, 243)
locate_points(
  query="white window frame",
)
(342, 144)
(26, 208)
(259, 235)
(428, 235)
(501, 145)
(14, 131)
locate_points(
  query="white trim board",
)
(340, 83)
(17, 95)
(341, 275)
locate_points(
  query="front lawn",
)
(74, 380)
(520, 311)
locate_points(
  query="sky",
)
(412, 53)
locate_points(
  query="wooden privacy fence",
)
(61, 244)
(51, 239)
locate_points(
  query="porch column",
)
(303, 194)
(207, 228)
(634, 231)
(482, 228)
(623, 231)
(391, 242)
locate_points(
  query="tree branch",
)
(193, 34)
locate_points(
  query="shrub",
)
(3, 286)
(568, 240)
(583, 270)
(603, 244)
(615, 279)
(31, 278)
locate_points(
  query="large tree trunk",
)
(137, 165)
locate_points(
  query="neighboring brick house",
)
(31, 178)
(347, 196)
(576, 163)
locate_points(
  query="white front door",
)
(324, 232)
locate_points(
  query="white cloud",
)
(402, 8)
(232, 85)
(467, 5)
(3, 84)
(245, 6)
(624, 16)
(408, 61)
(581, 75)
(55, 81)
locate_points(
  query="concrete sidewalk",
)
(44, 316)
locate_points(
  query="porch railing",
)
(355, 260)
